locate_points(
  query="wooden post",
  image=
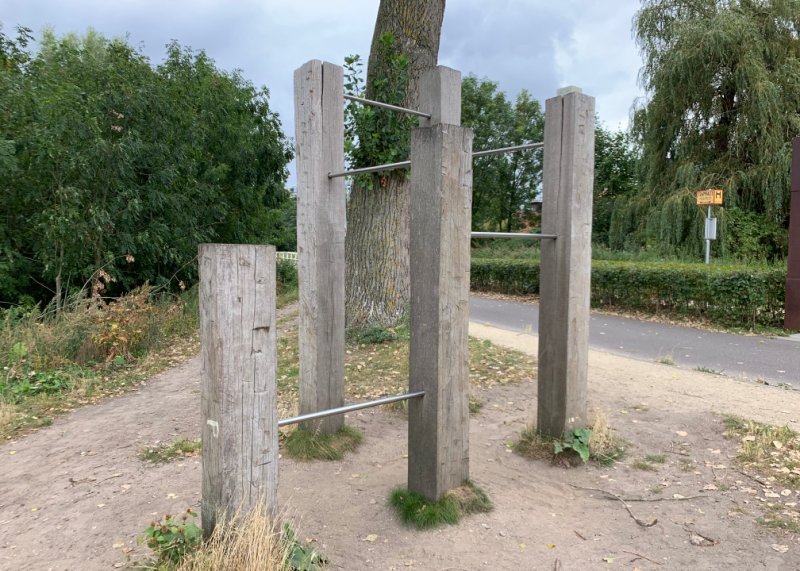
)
(566, 262)
(238, 386)
(441, 200)
(319, 124)
(791, 318)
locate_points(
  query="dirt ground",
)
(75, 496)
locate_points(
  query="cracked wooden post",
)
(441, 200)
(238, 381)
(319, 136)
(566, 262)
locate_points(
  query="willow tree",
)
(723, 100)
(405, 43)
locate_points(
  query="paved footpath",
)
(775, 360)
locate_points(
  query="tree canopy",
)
(503, 186)
(723, 103)
(108, 162)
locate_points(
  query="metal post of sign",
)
(708, 237)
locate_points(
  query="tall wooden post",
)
(238, 386)
(319, 129)
(566, 262)
(792, 305)
(441, 200)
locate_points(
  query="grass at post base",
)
(415, 510)
(306, 445)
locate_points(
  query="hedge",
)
(727, 295)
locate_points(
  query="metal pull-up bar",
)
(387, 106)
(406, 164)
(513, 235)
(348, 408)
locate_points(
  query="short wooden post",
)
(566, 262)
(238, 386)
(319, 129)
(441, 199)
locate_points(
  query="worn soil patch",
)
(75, 495)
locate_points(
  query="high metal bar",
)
(348, 408)
(387, 106)
(378, 168)
(513, 235)
(486, 153)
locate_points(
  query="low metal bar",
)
(487, 152)
(348, 408)
(378, 168)
(514, 235)
(387, 106)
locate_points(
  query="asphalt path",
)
(775, 360)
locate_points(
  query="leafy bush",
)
(171, 540)
(728, 295)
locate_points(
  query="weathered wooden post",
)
(791, 319)
(319, 135)
(238, 386)
(441, 199)
(566, 262)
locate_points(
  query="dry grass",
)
(250, 543)
(772, 451)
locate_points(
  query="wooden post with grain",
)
(566, 262)
(319, 135)
(238, 382)
(441, 199)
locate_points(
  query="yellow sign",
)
(710, 197)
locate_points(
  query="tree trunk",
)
(377, 241)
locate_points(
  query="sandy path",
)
(74, 495)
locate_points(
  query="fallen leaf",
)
(522, 546)
(677, 497)
(118, 545)
(12, 452)
(771, 495)
(551, 546)
(101, 505)
(777, 444)
(749, 438)
(710, 487)
(780, 548)
(608, 559)
(371, 537)
(172, 496)
(681, 433)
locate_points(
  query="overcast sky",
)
(539, 45)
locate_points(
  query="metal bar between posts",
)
(487, 152)
(513, 235)
(387, 106)
(405, 164)
(348, 408)
(378, 168)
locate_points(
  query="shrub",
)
(727, 295)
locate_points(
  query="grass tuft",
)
(415, 510)
(644, 465)
(306, 445)
(167, 452)
(773, 451)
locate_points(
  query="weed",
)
(686, 465)
(163, 453)
(576, 440)
(656, 458)
(708, 370)
(414, 509)
(665, 360)
(773, 451)
(642, 464)
(534, 445)
(656, 489)
(172, 540)
(376, 335)
(605, 447)
(779, 521)
(475, 405)
(304, 444)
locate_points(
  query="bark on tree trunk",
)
(376, 245)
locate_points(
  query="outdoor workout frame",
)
(237, 294)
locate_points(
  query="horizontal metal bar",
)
(406, 164)
(486, 153)
(513, 235)
(378, 168)
(387, 106)
(348, 408)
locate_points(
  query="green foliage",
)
(373, 135)
(171, 540)
(723, 83)
(300, 558)
(616, 174)
(166, 451)
(503, 186)
(108, 163)
(305, 444)
(414, 509)
(576, 440)
(737, 296)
